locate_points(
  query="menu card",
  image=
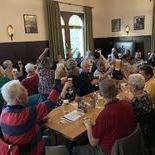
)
(74, 115)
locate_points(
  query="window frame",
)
(66, 17)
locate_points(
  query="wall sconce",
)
(10, 31)
(127, 29)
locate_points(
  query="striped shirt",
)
(20, 125)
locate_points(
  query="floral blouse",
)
(46, 79)
(70, 95)
(142, 105)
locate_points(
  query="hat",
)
(71, 63)
(29, 67)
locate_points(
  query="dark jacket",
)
(83, 84)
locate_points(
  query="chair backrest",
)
(130, 145)
(56, 150)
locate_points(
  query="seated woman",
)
(31, 81)
(68, 91)
(101, 64)
(8, 72)
(141, 102)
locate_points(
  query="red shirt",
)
(31, 84)
(117, 120)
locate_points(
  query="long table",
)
(70, 129)
(73, 130)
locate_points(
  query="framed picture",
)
(116, 25)
(30, 23)
(138, 22)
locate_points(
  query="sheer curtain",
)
(54, 29)
(89, 43)
(153, 29)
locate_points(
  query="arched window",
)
(75, 20)
(73, 34)
(76, 35)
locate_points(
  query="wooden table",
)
(70, 130)
(73, 130)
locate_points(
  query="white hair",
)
(11, 91)
(29, 67)
(84, 63)
(7, 62)
(137, 80)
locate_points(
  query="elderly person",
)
(8, 66)
(31, 81)
(101, 64)
(20, 124)
(85, 82)
(45, 74)
(141, 101)
(115, 121)
(68, 91)
(147, 72)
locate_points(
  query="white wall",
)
(11, 13)
(106, 10)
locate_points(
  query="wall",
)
(29, 46)
(106, 10)
(104, 39)
(11, 12)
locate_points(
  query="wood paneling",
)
(142, 43)
(25, 51)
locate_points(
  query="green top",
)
(3, 80)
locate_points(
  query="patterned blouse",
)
(70, 95)
(46, 79)
(142, 105)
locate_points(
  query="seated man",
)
(147, 72)
(85, 82)
(20, 124)
(31, 81)
(117, 120)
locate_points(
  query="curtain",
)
(153, 29)
(89, 43)
(54, 29)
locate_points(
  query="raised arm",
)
(41, 57)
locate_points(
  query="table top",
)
(70, 129)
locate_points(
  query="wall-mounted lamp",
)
(127, 29)
(10, 31)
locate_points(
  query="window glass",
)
(75, 20)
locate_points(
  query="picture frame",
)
(116, 25)
(30, 23)
(138, 22)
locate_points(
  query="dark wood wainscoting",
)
(25, 51)
(142, 43)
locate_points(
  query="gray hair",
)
(6, 63)
(84, 63)
(11, 91)
(29, 68)
(136, 80)
(108, 88)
